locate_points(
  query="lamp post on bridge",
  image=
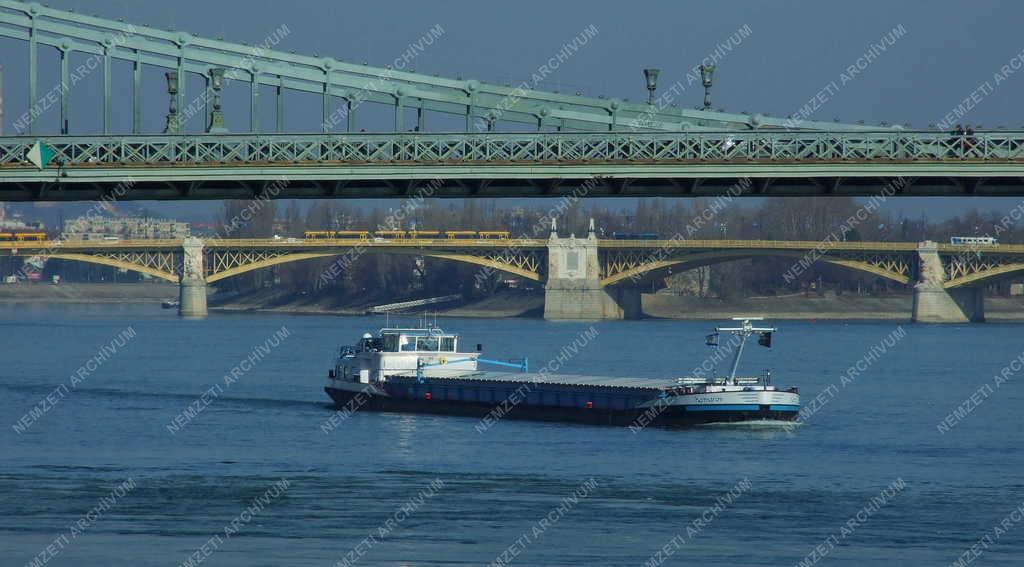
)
(651, 76)
(707, 73)
(216, 125)
(173, 120)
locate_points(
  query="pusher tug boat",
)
(422, 370)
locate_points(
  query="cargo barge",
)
(422, 370)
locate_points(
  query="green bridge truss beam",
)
(515, 165)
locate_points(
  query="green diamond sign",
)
(40, 155)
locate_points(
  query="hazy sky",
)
(794, 50)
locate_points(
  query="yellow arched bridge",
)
(575, 271)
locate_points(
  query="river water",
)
(116, 469)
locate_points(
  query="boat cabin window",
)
(371, 345)
(428, 344)
(405, 343)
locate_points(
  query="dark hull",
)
(667, 417)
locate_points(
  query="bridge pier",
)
(933, 303)
(192, 299)
(573, 289)
(587, 300)
(627, 300)
(192, 286)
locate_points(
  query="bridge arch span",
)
(986, 277)
(155, 272)
(267, 263)
(526, 270)
(696, 260)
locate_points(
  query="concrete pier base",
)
(933, 303)
(628, 299)
(192, 299)
(939, 305)
(192, 287)
(588, 300)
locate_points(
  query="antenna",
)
(743, 331)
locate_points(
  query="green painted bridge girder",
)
(515, 165)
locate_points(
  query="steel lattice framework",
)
(501, 148)
(225, 262)
(162, 264)
(637, 261)
(517, 165)
(622, 262)
(623, 148)
(162, 261)
(530, 263)
(522, 257)
(979, 265)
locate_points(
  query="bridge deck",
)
(516, 165)
(515, 243)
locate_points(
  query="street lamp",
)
(651, 76)
(173, 126)
(217, 116)
(707, 73)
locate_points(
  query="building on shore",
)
(16, 224)
(131, 228)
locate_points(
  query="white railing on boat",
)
(717, 381)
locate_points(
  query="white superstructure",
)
(430, 351)
(733, 393)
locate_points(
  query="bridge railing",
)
(29, 246)
(374, 242)
(797, 245)
(227, 243)
(648, 148)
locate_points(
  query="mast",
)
(743, 332)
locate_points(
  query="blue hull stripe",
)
(784, 408)
(724, 407)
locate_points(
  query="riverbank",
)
(508, 304)
(800, 306)
(896, 307)
(785, 307)
(24, 292)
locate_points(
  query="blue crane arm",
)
(522, 364)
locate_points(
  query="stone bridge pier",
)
(933, 302)
(192, 285)
(573, 289)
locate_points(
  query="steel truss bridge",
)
(515, 165)
(581, 146)
(622, 262)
